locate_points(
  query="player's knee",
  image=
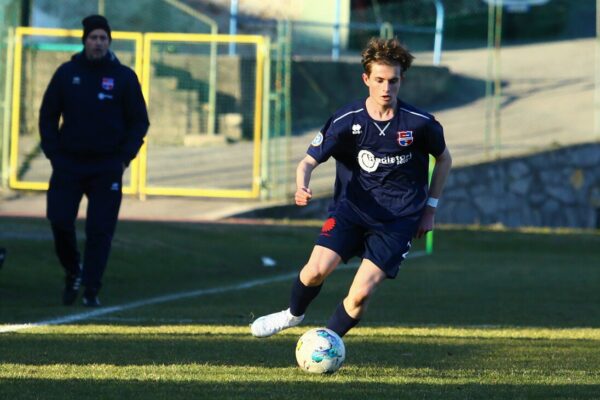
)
(358, 298)
(313, 278)
(314, 274)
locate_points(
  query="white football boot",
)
(271, 324)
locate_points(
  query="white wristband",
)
(432, 202)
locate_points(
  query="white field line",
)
(163, 299)
(141, 303)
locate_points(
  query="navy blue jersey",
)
(381, 166)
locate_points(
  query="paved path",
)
(547, 99)
(154, 208)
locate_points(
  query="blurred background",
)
(237, 89)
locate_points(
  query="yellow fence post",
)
(255, 185)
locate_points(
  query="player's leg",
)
(350, 310)
(340, 239)
(384, 252)
(63, 198)
(305, 289)
(308, 284)
(104, 201)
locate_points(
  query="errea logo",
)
(356, 129)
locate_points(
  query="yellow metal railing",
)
(261, 52)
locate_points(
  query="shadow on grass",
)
(433, 352)
(311, 388)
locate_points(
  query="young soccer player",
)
(381, 196)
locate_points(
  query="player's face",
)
(384, 83)
(96, 44)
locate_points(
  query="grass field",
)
(490, 315)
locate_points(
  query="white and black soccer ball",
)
(320, 351)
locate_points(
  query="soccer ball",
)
(320, 351)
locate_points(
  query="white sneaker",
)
(273, 323)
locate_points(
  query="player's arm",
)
(136, 120)
(49, 117)
(443, 164)
(303, 174)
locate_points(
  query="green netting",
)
(138, 16)
(190, 146)
(10, 13)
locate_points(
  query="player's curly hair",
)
(386, 51)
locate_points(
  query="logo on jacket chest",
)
(104, 96)
(108, 83)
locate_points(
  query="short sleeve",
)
(436, 143)
(326, 142)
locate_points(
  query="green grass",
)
(489, 315)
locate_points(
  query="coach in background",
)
(104, 121)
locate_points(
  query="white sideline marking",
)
(163, 299)
(140, 303)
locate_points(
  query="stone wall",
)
(558, 188)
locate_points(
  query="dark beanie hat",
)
(93, 22)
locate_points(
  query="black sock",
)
(340, 322)
(302, 296)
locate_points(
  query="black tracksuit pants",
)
(101, 183)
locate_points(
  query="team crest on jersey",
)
(405, 138)
(317, 140)
(356, 129)
(108, 83)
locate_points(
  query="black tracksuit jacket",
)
(104, 116)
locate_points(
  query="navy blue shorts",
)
(346, 234)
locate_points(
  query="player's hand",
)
(303, 195)
(427, 222)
